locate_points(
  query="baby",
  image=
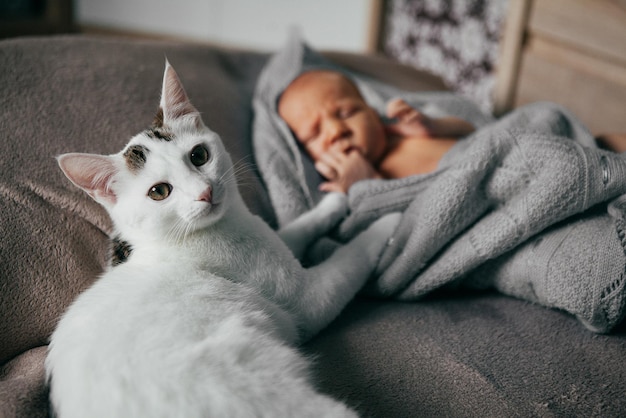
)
(347, 140)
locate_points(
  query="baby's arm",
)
(411, 122)
(342, 168)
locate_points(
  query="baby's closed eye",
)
(348, 111)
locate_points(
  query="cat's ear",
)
(175, 105)
(92, 173)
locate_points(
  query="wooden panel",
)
(598, 26)
(510, 54)
(593, 89)
(376, 26)
(579, 60)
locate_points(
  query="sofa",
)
(453, 353)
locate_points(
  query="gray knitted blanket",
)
(527, 204)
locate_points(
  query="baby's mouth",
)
(353, 148)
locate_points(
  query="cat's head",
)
(170, 180)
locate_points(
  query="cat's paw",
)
(334, 207)
(379, 234)
(388, 224)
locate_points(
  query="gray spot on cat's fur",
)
(120, 251)
(158, 129)
(159, 133)
(136, 157)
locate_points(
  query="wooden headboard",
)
(571, 52)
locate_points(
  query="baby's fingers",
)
(333, 158)
(409, 121)
(398, 108)
(332, 187)
(326, 170)
(401, 111)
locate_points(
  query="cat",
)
(203, 317)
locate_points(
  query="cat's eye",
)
(159, 191)
(199, 155)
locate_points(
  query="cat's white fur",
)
(202, 319)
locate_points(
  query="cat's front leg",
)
(328, 287)
(310, 226)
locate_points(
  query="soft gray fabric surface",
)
(507, 182)
(450, 355)
(470, 356)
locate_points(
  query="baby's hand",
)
(343, 168)
(410, 122)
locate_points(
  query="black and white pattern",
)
(455, 39)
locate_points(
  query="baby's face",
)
(323, 109)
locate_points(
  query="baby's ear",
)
(175, 106)
(92, 173)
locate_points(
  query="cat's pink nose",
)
(206, 196)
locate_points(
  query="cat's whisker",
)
(246, 160)
(230, 170)
(243, 165)
(187, 230)
(244, 169)
(171, 234)
(239, 167)
(235, 176)
(172, 231)
(230, 180)
(190, 227)
(246, 185)
(177, 232)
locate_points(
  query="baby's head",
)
(325, 109)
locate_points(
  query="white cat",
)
(203, 317)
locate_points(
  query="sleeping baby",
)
(347, 139)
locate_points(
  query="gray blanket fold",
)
(497, 202)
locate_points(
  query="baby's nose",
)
(336, 130)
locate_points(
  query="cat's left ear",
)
(92, 173)
(175, 106)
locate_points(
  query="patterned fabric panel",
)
(455, 39)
